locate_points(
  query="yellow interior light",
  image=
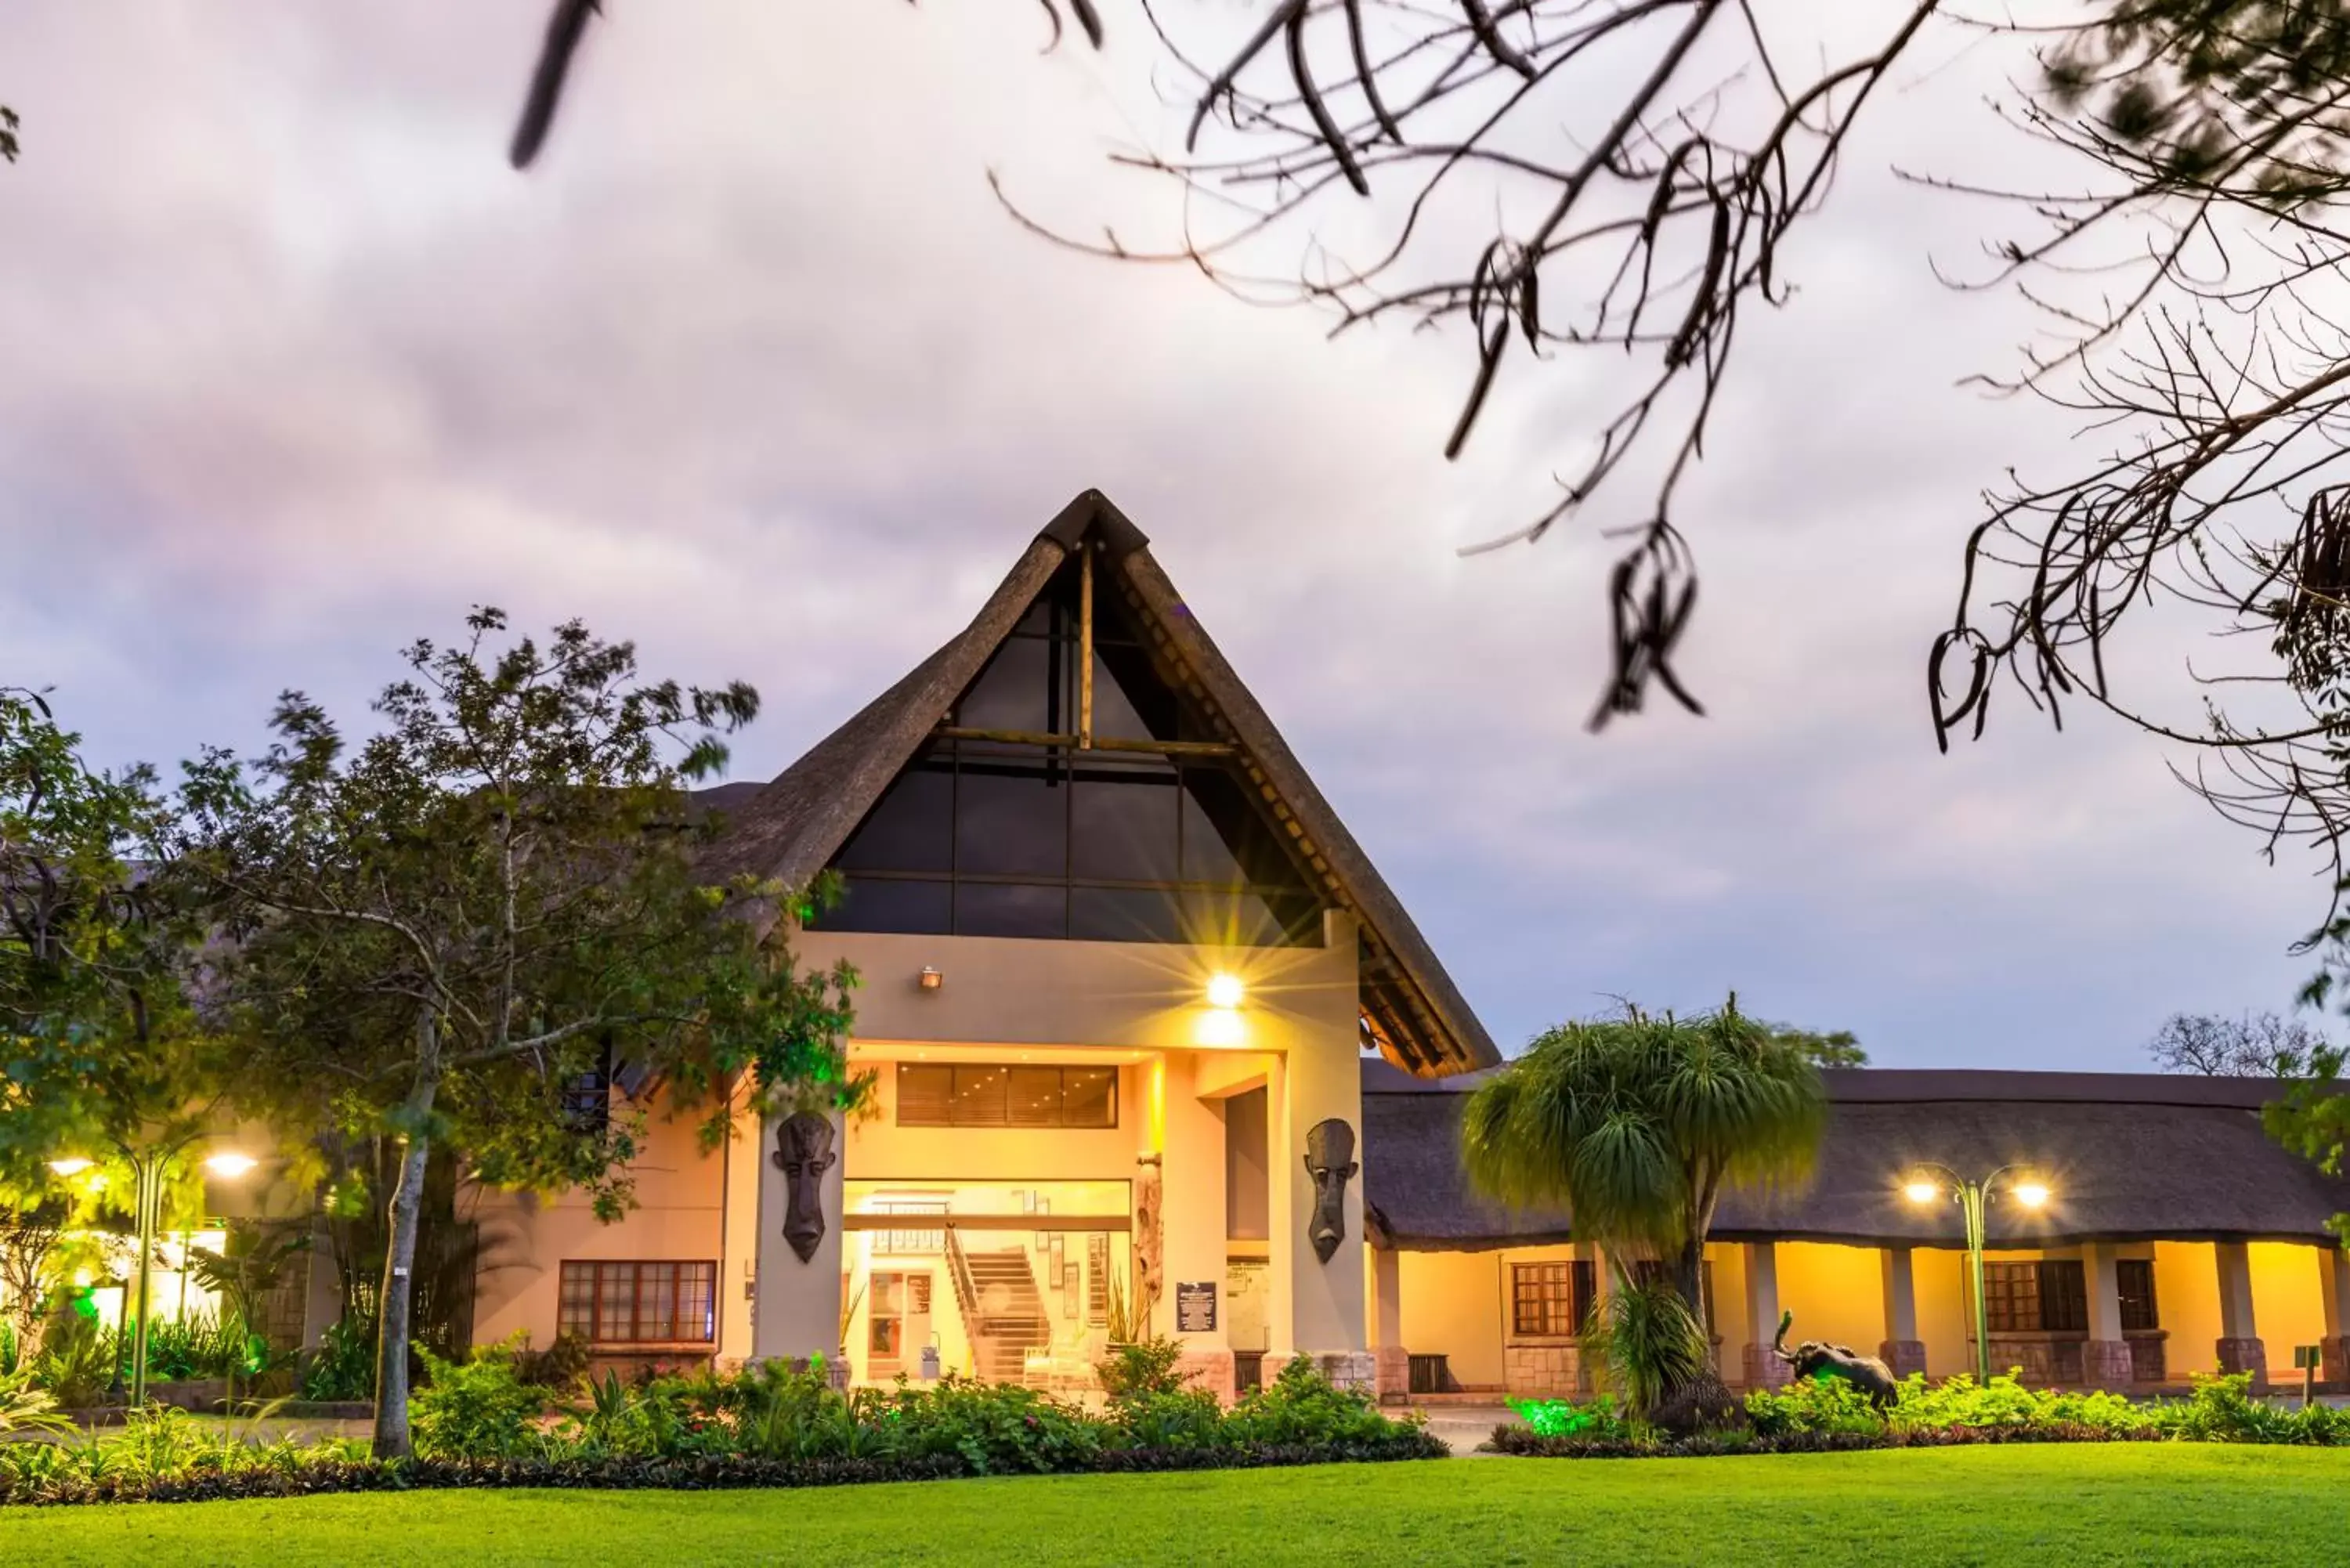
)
(1225, 991)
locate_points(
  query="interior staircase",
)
(1003, 1310)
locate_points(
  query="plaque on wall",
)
(1195, 1306)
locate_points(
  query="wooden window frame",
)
(2147, 1302)
(1554, 1282)
(690, 1273)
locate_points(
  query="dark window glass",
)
(1035, 1097)
(1011, 910)
(1016, 691)
(1122, 824)
(925, 1095)
(911, 829)
(979, 1096)
(1126, 915)
(1235, 919)
(886, 904)
(1131, 703)
(1012, 820)
(2135, 1278)
(1089, 1097)
(2011, 1297)
(638, 1303)
(2064, 1296)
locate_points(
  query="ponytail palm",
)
(1638, 1125)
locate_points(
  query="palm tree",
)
(1637, 1124)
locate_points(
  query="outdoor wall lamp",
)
(1225, 991)
(931, 979)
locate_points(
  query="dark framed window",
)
(1550, 1299)
(587, 1098)
(2049, 1296)
(638, 1303)
(989, 1095)
(1003, 838)
(2134, 1280)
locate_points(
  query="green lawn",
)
(2131, 1503)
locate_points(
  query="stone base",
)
(1903, 1357)
(2107, 1363)
(1393, 1377)
(2334, 1356)
(1544, 1372)
(2245, 1355)
(1345, 1368)
(1764, 1369)
(1209, 1369)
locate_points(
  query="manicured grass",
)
(2045, 1505)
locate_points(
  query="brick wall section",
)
(1542, 1371)
(1392, 1372)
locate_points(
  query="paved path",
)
(1463, 1427)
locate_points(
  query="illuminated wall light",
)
(1221, 1026)
(1921, 1192)
(2031, 1194)
(1225, 991)
(70, 1168)
(230, 1164)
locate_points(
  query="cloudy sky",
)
(753, 370)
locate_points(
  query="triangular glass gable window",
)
(1005, 836)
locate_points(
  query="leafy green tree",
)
(1638, 1125)
(1840, 1049)
(100, 1048)
(441, 931)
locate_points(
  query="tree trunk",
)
(393, 1300)
(1688, 1279)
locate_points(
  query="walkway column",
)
(2333, 1286)
(796, 1313)
(1394, 1362)
(2106, 1359)
(1764, 1370)
(1321, 1081)
(2240, 1349)
(1902, 1350)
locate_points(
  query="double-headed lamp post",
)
(149, 1168)
(1927, 1183)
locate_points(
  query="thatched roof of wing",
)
(792, 829)
(2127, 1157)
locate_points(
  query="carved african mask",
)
(804, 1152)
(1330, 1160)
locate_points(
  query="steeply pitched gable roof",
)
(791, 829)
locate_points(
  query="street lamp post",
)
(1973, 1199)
(149, 1168)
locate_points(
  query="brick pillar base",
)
(1902, 1355)
(1211, 1370)
(1347, 1368)
(1764, 1369)
(2335, 1355)
(2245, 1355)
(2105, 1364)
(1393, 1376)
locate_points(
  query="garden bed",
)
(1829, 1416)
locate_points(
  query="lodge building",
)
(1153, 1040)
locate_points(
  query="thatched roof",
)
(791, 829)
(2127, 1157)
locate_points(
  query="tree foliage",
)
(1638, 1125)
(101, 1044)
(440, 931)
(1835, 1048)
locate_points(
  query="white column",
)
(1763, 1370)
(797, 1310)
(2240, 1344)
(1191, 1216)
(2333, 1291)
(1321, 1080)
(1387, 1297)
(2106, 1359)
(1902, 1351)
(738, 1269)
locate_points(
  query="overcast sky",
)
(752, 370)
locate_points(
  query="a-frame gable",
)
(871, 791)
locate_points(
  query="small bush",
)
(1148, 1368)
(1599, 1420)
(1301, 1406)
(562, 1366)
(343, 1366)
(1648, 1343)
(1180, 1418)
(474, 1409)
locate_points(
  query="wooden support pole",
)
(1085, 646)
